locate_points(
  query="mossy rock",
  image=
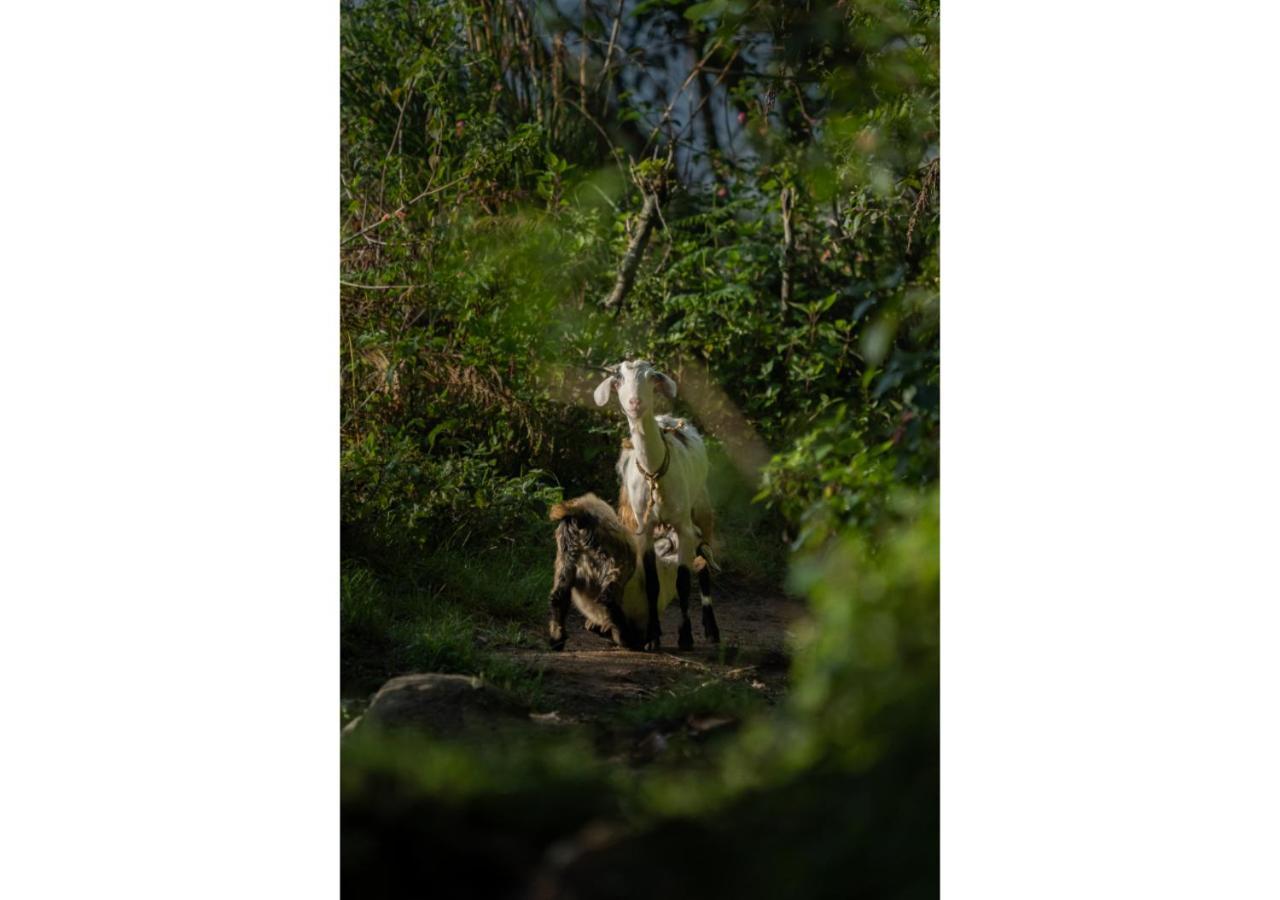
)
(442, 706)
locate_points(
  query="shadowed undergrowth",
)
(449, 609)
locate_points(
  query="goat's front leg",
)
(653, 632)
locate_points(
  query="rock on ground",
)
(442, 706)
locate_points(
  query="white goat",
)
(663, 475)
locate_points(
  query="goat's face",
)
(635, 382)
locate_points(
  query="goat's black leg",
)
(685, 641)
(619, 629)
(561, 594)
(653, 632)
(559, 608)
(709, 627)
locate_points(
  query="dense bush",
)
(484, 218)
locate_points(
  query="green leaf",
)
(713, 9)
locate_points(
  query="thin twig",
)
(613, 38)
(670, 241)
(703, 102)
(787, 199)
(582, 61)
(761, 76)
(693, 73)
(380, 287)
(809, 120)
(382, 178)
(604, 196)
(929, 181)
(732, 673)
(352, 348)
(613, 151)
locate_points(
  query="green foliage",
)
(410, 499)
(866, 670)
(487, 199)
(447, 614)
(832, 482)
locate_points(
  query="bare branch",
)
(613, 39)
(635, 251)
(787, 200)
(380, 287)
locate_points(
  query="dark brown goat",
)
(595, 560)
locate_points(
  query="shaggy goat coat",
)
(598, 569)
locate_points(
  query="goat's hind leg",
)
(653, 631)
(684, 580)
(705, 520)
(560, 594)
(710, 629)
(685, 640)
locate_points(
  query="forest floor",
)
(591, 680)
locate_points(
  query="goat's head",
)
(635, 381)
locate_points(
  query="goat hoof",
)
(653, 635)
(628, 639)
(685, 640)
(557, 644)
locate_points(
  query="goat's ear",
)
(665, 385)
(602, 391)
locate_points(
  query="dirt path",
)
(591, 678)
